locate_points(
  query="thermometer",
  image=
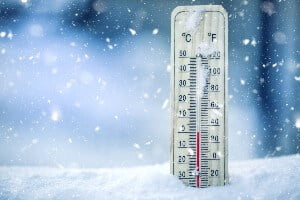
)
(199, 70)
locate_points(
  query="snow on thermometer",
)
(199, 60)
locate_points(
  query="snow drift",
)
(265, 179)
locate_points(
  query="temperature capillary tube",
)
(201, 94)
(199, 61)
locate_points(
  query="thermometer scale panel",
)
(199, 60)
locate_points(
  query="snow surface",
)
(265, 179)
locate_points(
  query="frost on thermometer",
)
(199, 60)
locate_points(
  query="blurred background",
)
(86, 83)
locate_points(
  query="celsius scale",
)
(199, 70)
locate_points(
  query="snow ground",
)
(263, 179)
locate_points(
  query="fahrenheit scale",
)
(199, 60)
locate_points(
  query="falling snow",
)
(137, 146)
(165, 104)
(55, 115)
(97, 129)
(297, 78)
(246, 41)
(155, 31)
(253, 42)
(297, 123)
(132, 31)
(2, 34)
(268, 7)
(280, 37)
(35, 141)
(140, 155)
